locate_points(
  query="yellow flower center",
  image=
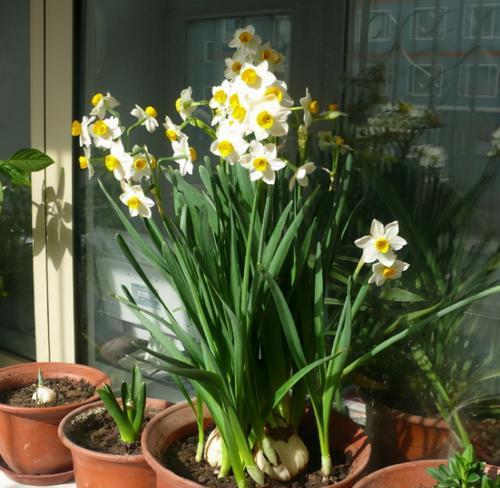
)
(338, 141)
(178, 105)
(388, 273)
(239, 113)
(84, 162)
(133, 202)
(96, 99)
(236, 67)
(140, 163)
(265, 119)
(193, 154)
(275, 56)
(220, 96)
(76, 128)
(332, 107)
(245, 37)
(225, 148)
(274, 90)
(171, 134)
(382, 245)
(153, 162)
(250, 77)
(266, 54)
(111, 162)
(100, 128)
(260, 164)
(314, 107)
(151, 111)
(234, 101)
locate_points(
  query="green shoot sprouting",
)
(463, 471)
(128, 416)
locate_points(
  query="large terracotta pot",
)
(179, 422)
(100, 470)
(409, 475)
(29, 443)
(398, 436)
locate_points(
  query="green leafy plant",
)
(463, 471)
(129, 413)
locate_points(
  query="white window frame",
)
(467, 69)
(51, 66)
(435, 93)
(388, 14)
(468, 28)
(442, 11)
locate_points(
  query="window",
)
(426, 79)
(482, 21)
(429, 23)
(480, 80)
(380, 26)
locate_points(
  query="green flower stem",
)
(225, 462)
(201, 430)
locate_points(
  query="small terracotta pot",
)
(179, 422)
(398, 436)
(29, 443)
(409, 475)
(96, 469)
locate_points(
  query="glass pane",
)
(424, 105)
(17, 330)
(108, 58)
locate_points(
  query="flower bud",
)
(44, 396)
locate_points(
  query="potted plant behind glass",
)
(104, 437)
(249, 252)
(437, 366)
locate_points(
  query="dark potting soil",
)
(67, 391)
(180, 458)
(95, 430)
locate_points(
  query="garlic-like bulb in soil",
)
(291, 456)
(213, 449)
(44, 396)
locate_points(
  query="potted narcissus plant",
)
(104, 437)
(250, 250)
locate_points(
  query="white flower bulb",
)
(44, 396)
(292, 458)
(213, 449)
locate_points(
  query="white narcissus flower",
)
(268, 118)
(85, 139)
(381, 243)
(253, 81)
(246, 40)
(382, 273)
(105, 132)
(84, 161)
(230, 144)
(136, 201)
(279, 90)
(119, 162)
(172, 132)
(239, 112)
(184, 104)
(185, 155)
(262, 161)
(300, 175)
(310, 107)
(233, 65)
(326, 140)
(44, 396)
(141, 163)
(220, 96)
(102, 103)
(146, 116)
(275, 59)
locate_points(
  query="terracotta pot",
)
(179, 422)
(398, 436)
(29, 443)
(100, 470)
(409, 475)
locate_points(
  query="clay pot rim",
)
(102, 456)
(436, 422)
(35, 411)
(421, 464)
(158, 466)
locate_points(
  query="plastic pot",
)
(100, 470)
(29, 444)
(179, 422)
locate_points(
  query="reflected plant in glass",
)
(249, 250)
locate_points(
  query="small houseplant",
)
(104, 437)
(250, 252)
